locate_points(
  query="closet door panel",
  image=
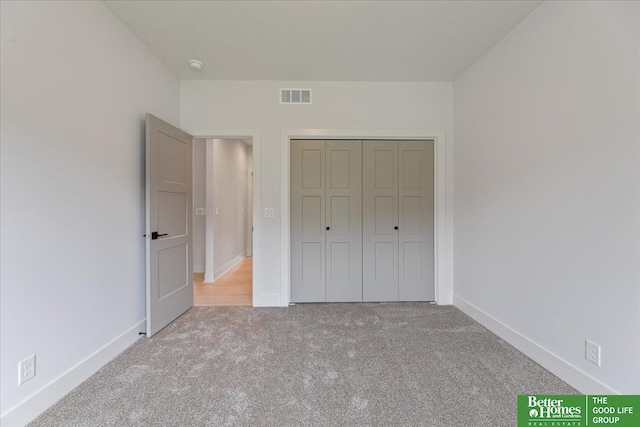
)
(380, 216)
(416, 216)
(344, 220)
(308, 246)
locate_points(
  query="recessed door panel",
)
(416, 235)
(312, 169)
(384, 261)
(173, 273)
(339, 168)
(344, 220)
(173, 213)
(380, 216)
(340, 261)
(385, 212)
(384, 167)
(311, 261)
(412, 168)
(412, 218)
(312, 215)
(173, 158)
(339, 215)
(412, 261)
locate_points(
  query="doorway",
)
(223, 221)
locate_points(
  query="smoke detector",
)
(195, 65)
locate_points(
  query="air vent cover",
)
(295, 96)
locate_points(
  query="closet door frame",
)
(443, 215)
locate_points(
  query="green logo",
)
(578, 410)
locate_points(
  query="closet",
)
(362, 220)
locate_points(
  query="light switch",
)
(217, 212)
(269, 212)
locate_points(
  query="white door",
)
(380, 220)
(416, 221)
(308, 221)
(168, 226)
(343, 221)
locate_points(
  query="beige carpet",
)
(400, 364)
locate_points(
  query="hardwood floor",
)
(233, 288)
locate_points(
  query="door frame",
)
(258, 299)
(443, 212)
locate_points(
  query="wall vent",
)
(295, 96)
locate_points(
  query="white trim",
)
(209, 274)
(253, 134)
(569, 373)
(268, 300)
(443, 237)
(27, 410)
(249, 230)
(228, 266)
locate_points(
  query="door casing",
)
(443, 215)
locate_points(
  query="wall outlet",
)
(27, 369)
(592, 352)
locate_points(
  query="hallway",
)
(234, 288)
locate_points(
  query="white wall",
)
(230, 201)
(547, 192)
(207, 105)
(199, 201)
(75, 86)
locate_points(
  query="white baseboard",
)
(228, 266)
(569, 373)
(268, 300)
(27, 410)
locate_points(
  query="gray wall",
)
(230, 200)
(76, 84)
(546, 184)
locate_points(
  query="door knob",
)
(328, 228)
(396, 227)
(155, 235)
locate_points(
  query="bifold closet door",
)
(326, 221)
(398, 220)
(343, 221)
(416, 221)
(380, 220)
(307, 209)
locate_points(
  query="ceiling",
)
(321, 40)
